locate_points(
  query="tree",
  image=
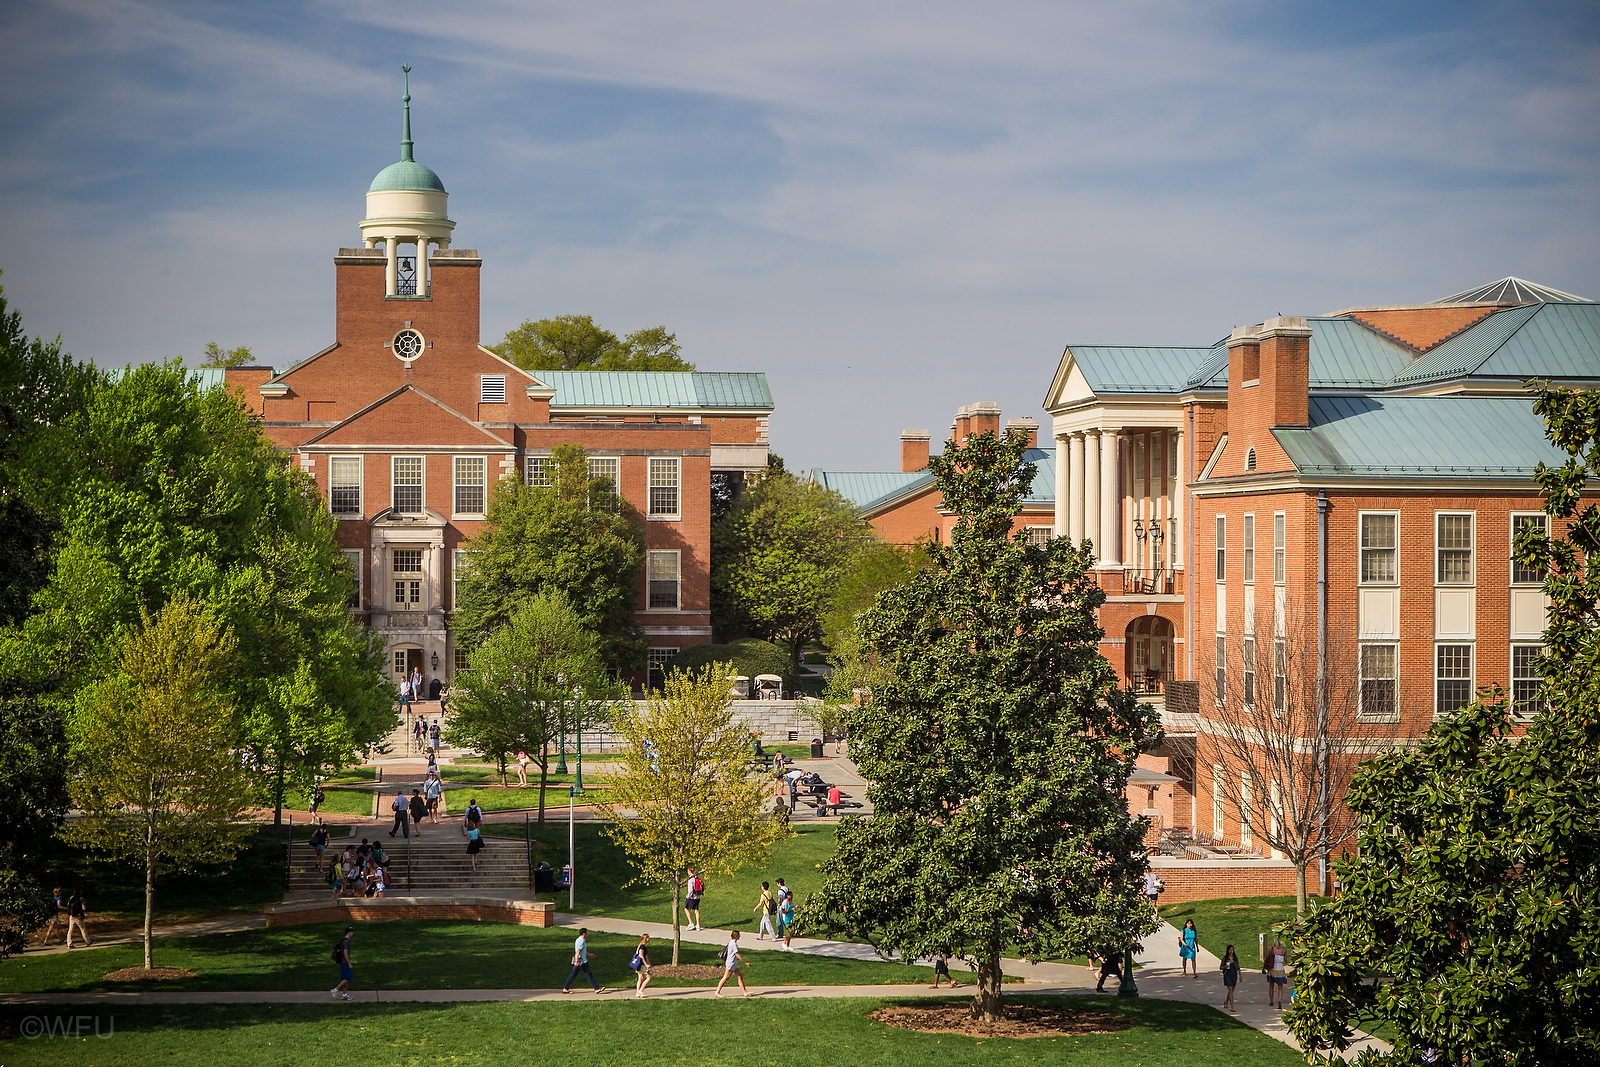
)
(1475, 894)
(783, 549)
(748, 656)
(217, 356)
(877, 568)
(159, 779)
(33, 800)
(574, 342)
(682, 796)
(569, 537)
(998, 749)
(1287, 746)
(541, 673)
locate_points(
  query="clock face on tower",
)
(408, 345)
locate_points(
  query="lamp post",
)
(577, 697)
(561, 760)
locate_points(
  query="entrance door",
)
(1149, 653)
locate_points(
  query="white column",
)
(1075, 487)
(391, 277)
(1063, 488)
(422, 266)
(1091, 490)
(1178, 533)
(1110, 502)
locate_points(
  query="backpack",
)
(338, 952)
(699, 886)
(772, 906)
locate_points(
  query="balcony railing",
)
(1137, 581)
(1149, 683)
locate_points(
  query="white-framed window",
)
(1452, 678)
(1453, 544)
(1526, 677)
(1280, 677)
(1521, 575)
(1278, 569)
(1379, 683)
(656, 660)
(1380, 547)
(1247, 837)
(1222, 669)
(1039, 536)
(1222, 548)
(459, 562)
(665, 484)
(1249, 671)
(609, 468)
(1250, 548)
(344, 485)
(400, 662)
(539, 471)
(663, 578)
(407, 481)
(470, 486)
(1217, 811)
(492, 389)
(460, 659)
(353, 558)
(406, 567)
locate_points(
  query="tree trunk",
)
(277, 812)
(1300, 889)
(149, 891)
(986, 1004)
(544, 773)
(677, 934)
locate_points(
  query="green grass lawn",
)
(603, 869)
(735, 1033)
(335, 801)
(1234, 921)
(253, 880)
(421, 954)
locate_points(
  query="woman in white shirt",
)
(733, 964)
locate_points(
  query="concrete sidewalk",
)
(227, 924)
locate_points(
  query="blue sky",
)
(892, 209)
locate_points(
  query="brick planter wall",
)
(1215, 879)
(523, 913)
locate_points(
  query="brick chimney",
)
(1028, 426)
(1285, 369)
(962, 428)
(914, 450)
(984, 417)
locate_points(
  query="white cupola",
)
(407, 204)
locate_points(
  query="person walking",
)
(1152, 891)
(786, 921)
(405, 696)
(1110, 967)
(1189, 948)
(433, 738)
(1230, 975)
(522, 767)
(419, 808)
(641, 966)
(580, 962)
(691, 904)
(432, 788)
(941, 969)
(402, 810)
(732, 965)
(53, 909)
(317, 797)
(768, 907)
(474, 813)
(77, 916)
(1277, 971)
(341, 956)
(319, 843)
(474, 842)
(416, 684)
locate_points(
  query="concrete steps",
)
(437, 863)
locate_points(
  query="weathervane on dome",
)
(405, 140)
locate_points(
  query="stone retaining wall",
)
(773, 720)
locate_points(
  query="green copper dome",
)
(407, 175)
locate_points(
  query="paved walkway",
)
(162, 931)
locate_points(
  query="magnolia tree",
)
(998, 746)
(681, 792)
(159, 778)
(1469, 923)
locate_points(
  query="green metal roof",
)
(1400, 436)
(1344, 355)
(1535, 341)
(1135, 369)
(657, 390)
(872, 489)
(1512, 290)
(408, 175)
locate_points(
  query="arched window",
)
(1250, 460)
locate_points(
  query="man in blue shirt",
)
(580, 962)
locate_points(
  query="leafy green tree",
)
(782, 551)
(1474, 897)
(569, 537)
(574, 342)
(680, 794)
(877, 568)
(217, 356)
(541, 673)
(158, 776)
(749, 656)
(33, 800)
(998, 748)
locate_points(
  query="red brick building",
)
(1348, 482)
(406, 422)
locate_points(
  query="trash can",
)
(544, 879)
(816, 748)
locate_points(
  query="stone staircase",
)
(438, 862)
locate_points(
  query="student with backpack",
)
(341, 956)
(319, 842)
(77, 915)
(691, 905)
(768, 907)
(419, 808)
(732, 964)
(640, 964)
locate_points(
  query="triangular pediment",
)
(1069, 385)
(408, 418)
